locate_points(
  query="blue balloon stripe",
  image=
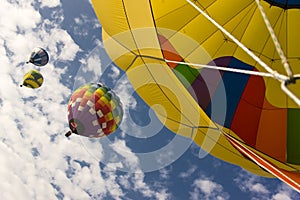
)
(234, 84)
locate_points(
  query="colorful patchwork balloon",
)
(94, 111)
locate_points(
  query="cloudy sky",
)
(139, 161)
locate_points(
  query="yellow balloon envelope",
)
(33, 79)
(242, 118)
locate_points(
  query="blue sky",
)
(38, 162)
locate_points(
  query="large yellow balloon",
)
(204, 104)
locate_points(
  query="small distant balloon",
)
(39, 57)
(33, 79)
(94, 111)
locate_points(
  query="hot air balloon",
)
(33, 79)
(185, 55)
(94, 111)
(39, 57)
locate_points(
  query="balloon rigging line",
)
(262, 162)
(199, 66)
(283, 58)
(224, 133)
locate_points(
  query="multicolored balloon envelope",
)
(39, 57)
(94, 111)
(242, 109)
(33, 79)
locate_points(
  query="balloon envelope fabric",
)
(141, 35)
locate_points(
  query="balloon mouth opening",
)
(76, 126)
(30, 61)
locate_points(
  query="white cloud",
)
(61, 45)
(205, 188)
(90, 70)
(250, 183)
(20, 15)
(259, 188)
(188, 173)
(146, 190)
(49, 3)
(284, 192)
(281, 196)
(255, 188)
(37, 161)
(162, 195)
(128, 157)
(83, 24)
(164, 173)
(124, 181)
(115, 73)
(16, 23)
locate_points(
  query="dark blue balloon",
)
(39, 57)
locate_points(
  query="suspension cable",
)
(279, 50)
(242, 71)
